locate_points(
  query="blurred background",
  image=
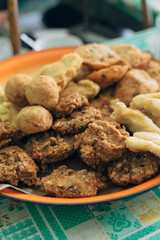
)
(54, 23)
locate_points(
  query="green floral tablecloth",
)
(137, 217)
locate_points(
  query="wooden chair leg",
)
(148, 19)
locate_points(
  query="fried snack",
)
(133, 168)
(82, 72)
(84, 87)
(134, 120)
(17, 166)
(135, 82)
(108, 76)
(132, 55)
(68, 104)
(153, 69)
(102, 104)
(34, 119)
(63, 70)
(97, 56)
(101, 143)
(47, 148)
(9, 111)
(77, 121)
(44, 91)
(155, 137)
(9, 134)
(15, 89)
(65, 182)
(136, 144)
(149, 104)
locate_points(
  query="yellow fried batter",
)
(97, 56)
(108, 76)
(84, 87)
(153, 70)
(132, 55)
(135, 82)
(134, 120)
(63, 70)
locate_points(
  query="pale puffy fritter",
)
(135, 82)
(68, 104)
(101, 143)
(132, 55)
(34, 119)
(77, 121)
(15, 89)
(64, 70)
(85, 87)
(44, 91)
(133, 168)
(65, 182)
(17, 166)
(97, 56)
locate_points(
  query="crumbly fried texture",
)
(77, 121)
(15, 89)
(153, 70)
(133, 120)
(84, 87)
(16, 165)
(63, 70)
(103, 105)
(82, 72)
(132, 55)
(133, 168)
(9, 134)
(135, 82)
(68, 104)
(33, 119)
(44, 91)
(65, 182)
(101, 143)
(97, 56)
(108, 76)
(47, 148)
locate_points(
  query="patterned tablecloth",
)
(137, 217)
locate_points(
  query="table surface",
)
(137, 217)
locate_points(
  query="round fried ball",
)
(33, 119)
(15, 89)
(44, 91)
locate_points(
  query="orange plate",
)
(30, 63)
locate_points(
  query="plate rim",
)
(14, 194)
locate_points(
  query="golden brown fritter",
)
(68, 104)
(135, 82)
(133, 168)
(85, 87)
(77, 121)
(82, 72)
(108, 76)
(17, 166)
(47, 148)
(65, 182)
(101, 143)
(97, 56)
(9, 134)
(132, 55)
(153, 69)
(103, 105)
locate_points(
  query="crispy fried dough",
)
(97, 56)
(135, 82)
(63, 70)
(132, 55)
(108, 76)
(16, 165)
(134, 120)
(65, 182)
(101, 143)
(84, 87)
(133, 168)
(69, 103)
(82, 72)
(153, 69)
